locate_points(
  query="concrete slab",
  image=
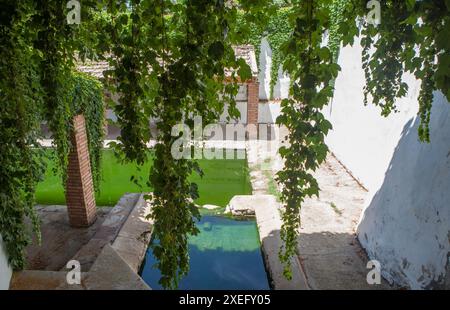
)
(134, 237)
(111, 272)
(60, 242)
(269, 222)
(107, 231)
(43, 280)
(102, 266)
(331, 256)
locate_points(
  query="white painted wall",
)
(242, 107)
(265, 63)
(268, 112)
(406, 222)
(5, 269)
(281, 88)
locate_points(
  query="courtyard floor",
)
(330, 256)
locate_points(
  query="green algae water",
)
(224, 255)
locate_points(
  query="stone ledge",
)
(108, 231)
(245, 205)
(134, 237)
(111, 272)
(267, 212)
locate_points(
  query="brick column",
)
(252, 102)
(80, 188)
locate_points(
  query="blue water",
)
(224, 255)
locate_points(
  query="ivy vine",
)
(168, 60)
(87, 99)
(311, 68)
(38, 85)
(276, 30)
(21, 109)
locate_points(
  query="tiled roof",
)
(247, 52)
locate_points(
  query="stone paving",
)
(60, 242)
(110, 251)
(330, 256)
(329, 251)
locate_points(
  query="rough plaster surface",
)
(281, 88)
(268, 112)
(265, 63)
(5, 269)
(406, 220)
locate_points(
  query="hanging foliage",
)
(311, 68)
(87, 99)
(20, 116)
(412, 36)
(276, 29)
(38, 85)
(168, 61)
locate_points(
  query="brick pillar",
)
(80, 188)
(252, 102)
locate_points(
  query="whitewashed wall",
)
(268, 112)
(265, 63)
(406, 222)
(5, 270)
(242, 107)
(281, 88)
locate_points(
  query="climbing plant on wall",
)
(21, 108)
(86, 98)
(412, 37)
(337, 8)
(276, 29)
(38, 85)
(168, 60)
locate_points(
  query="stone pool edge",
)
(266, 210)
(132, 241)
(134, 237)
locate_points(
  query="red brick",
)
(79, 188)
(252, 102)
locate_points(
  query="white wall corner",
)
(5, 269)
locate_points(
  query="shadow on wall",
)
(406, 225)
